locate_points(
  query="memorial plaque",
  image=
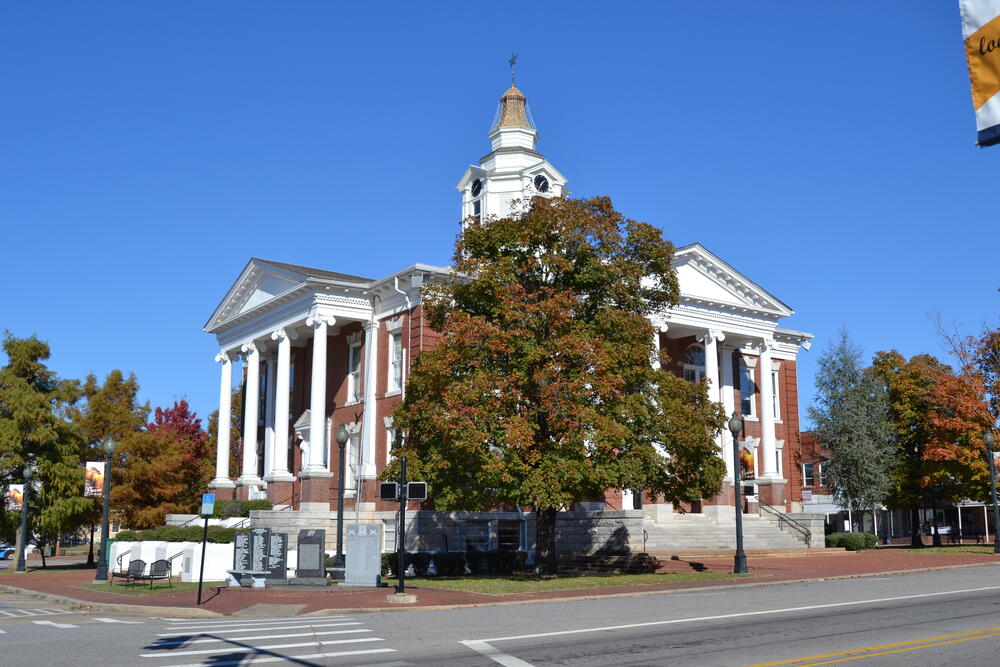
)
(311, 570)
(311, 543)
(241, 554)
(259, 539)
(363, 566)
(276, 557)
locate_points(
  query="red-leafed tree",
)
(163, 469)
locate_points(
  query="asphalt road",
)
(932, 618)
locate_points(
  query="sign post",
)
(207, 509)
(401, 533)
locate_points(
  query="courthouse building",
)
(319, 349)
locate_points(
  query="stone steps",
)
(691, 532)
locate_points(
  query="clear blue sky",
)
(148, 150)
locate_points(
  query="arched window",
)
(694, 363)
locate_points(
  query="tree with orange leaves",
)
(541, 391)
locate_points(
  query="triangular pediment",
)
(703, 277)
(260, 282)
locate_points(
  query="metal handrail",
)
(290, 500)
(804, 533)
(176, 555)
(122, 555)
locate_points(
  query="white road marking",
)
(244, 621)
(495, 654)
(484, 647)
(251, 649)
(61, 626)
(115, 620)
(231, 630)
(184, 642)
(7, 613)
(252, 660)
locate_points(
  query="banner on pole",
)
(93, 484)
(15, 496)
(981, 32)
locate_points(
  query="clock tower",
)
(513, 172)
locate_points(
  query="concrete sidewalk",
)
(63, 584)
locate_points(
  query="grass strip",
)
(501, 585)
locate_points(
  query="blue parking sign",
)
(207, 503)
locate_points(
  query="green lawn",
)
(528, 584)
(955, 549)
(143, 589)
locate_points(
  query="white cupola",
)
(513, 171)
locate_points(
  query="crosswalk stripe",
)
(7, 613)
(269, 647)
(61, 626)
(253, 660)
(230, 630)
(115, 620)
(258, 620)
(185, 642)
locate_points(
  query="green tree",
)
(910, 387)
(34, 430)
(851, 415)
(541, 390)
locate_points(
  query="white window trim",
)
(354, 393)
(749, 369)
(390, 380)
(776, 396)
(804, 485)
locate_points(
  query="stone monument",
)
(310, 570)
(363, 565)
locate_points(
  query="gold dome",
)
(513, 109)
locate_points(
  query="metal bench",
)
(136, 568)
(158, 571)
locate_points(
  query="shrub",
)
(216, 534)
(126, 536)
(420, 560)
(449, 563)
(251, 505)
(232, 508)
(389, 563)
(851, 541)
(474, 561)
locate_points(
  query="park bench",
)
(136, 567)
(158, 571)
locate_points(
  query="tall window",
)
(694, 363)
(775, 403)
(747, 391)
(262, 396)
(822, 473)
(395, 361)
(390, 444)
(354, 372)
(807, 474)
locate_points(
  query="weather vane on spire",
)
(512, 62)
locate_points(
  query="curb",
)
(190, 612)
(185, 612)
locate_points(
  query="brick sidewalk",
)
(763, 570)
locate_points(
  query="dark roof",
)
(315, 273)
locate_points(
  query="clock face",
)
(477, 187)
(541, 183)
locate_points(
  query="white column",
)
(371, 381)
(252, 400)
(270, 365)
(222, 480)
(317, 398)
(279, 471)
(770, 462)
(729, 405)
(657, 330)
(710, 340)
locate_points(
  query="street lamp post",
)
(990, 440)
(21, 556)
(102, 557)
(338, 561)
(740, 559)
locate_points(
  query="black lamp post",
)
(21, 558)
(740, 559)
(102, 556)
(342, 438)
(990, 440)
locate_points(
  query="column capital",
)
(249, 348)
(711, 336)
(319, 319)
(283, 333)
(224, 356)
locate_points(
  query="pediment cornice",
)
(707, 281)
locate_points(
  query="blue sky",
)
(148, 150)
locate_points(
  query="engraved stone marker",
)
(363, 566)
(241, 554)
(276, 558)
(310, 570)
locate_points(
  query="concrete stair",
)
(697, 532)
